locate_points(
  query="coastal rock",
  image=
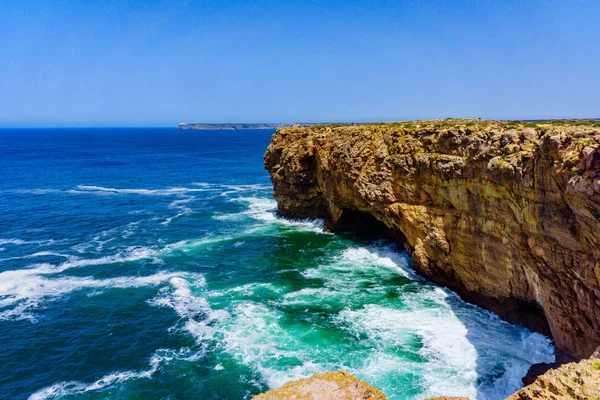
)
(328, 386)
(506, 214)
(577, 381)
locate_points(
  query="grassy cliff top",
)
(473, 123)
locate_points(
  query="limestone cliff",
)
(506, 214)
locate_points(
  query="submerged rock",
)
(337, 385)
(506, 214)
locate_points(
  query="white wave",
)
(247, 290)
(275, 377)
(203, 187)
(265, 210)
(254, 186)
(233, 189)
(24, 292)
(451, 359)
(26, 289)
(191, 245)
(101, 190)
(21, 242)
(254, 336)
(181, 206)
(132, 253)
(33, 191)
(107, 236)
(144, 192)
(324, 297)
(184, 297)
(354, 268)
(466, 351)
(457, 350)
(71, 388)
(35, 255)
(17, 242)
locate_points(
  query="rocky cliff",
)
(506, 214)
(578, 381)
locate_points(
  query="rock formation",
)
(328, 386)
(578, 381)
(506, 214)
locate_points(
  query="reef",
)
(507, 214)
(336, 385)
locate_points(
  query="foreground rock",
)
(508, 215)
(328, 386)
(580, 381)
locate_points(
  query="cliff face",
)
(508, 215)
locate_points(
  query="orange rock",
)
(505, 214)
(328, 386)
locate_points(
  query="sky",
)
(158, 63)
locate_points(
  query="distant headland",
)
(242, 126)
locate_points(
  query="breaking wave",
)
(362, 309)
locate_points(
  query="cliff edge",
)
(506, 214)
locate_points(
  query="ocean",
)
(152, 264)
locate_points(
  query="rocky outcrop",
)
(506, 214)
(328, 386)
(577, 381)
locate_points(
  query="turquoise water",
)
(151, 264)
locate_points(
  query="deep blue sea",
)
(151, 264)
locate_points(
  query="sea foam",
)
(264, 211)
(26, 289)
(158, 359)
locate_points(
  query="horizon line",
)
(383, 120)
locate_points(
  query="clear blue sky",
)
(148, 63)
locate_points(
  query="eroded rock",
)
(337, 385)
(506, 215)
(577, 381)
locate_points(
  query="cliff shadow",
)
(366, 227)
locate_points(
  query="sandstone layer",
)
(506, 214)
(328, 386)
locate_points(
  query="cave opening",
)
(367, 227)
